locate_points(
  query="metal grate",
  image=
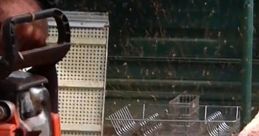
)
(124, 124)
(82, 74)
(212, 121)
(217, 126)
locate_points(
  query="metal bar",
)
(178, 59)
(247, 61)
(205, 115)
(155, 82)
(144, 111)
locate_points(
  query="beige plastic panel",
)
(76, 133)
(81, 108)
(84, 66)
(82, 74)
(82, 35)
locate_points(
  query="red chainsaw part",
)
(56, 124)
(9, 128)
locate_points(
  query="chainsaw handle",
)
(11, 54)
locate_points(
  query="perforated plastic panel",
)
(79, 35)
(81, 108)
(76, 133)
(84, 66)
(82, 74)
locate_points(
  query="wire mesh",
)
(212, 120)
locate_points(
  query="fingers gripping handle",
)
(10, 50)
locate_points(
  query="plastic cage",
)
(184, 106)
(82, 74)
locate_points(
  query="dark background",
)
(160, 48)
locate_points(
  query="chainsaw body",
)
(25, 102)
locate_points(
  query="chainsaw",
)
(25, 101)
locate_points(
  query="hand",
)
(28, 35)
(251, 129)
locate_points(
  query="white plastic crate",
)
(82, 74)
